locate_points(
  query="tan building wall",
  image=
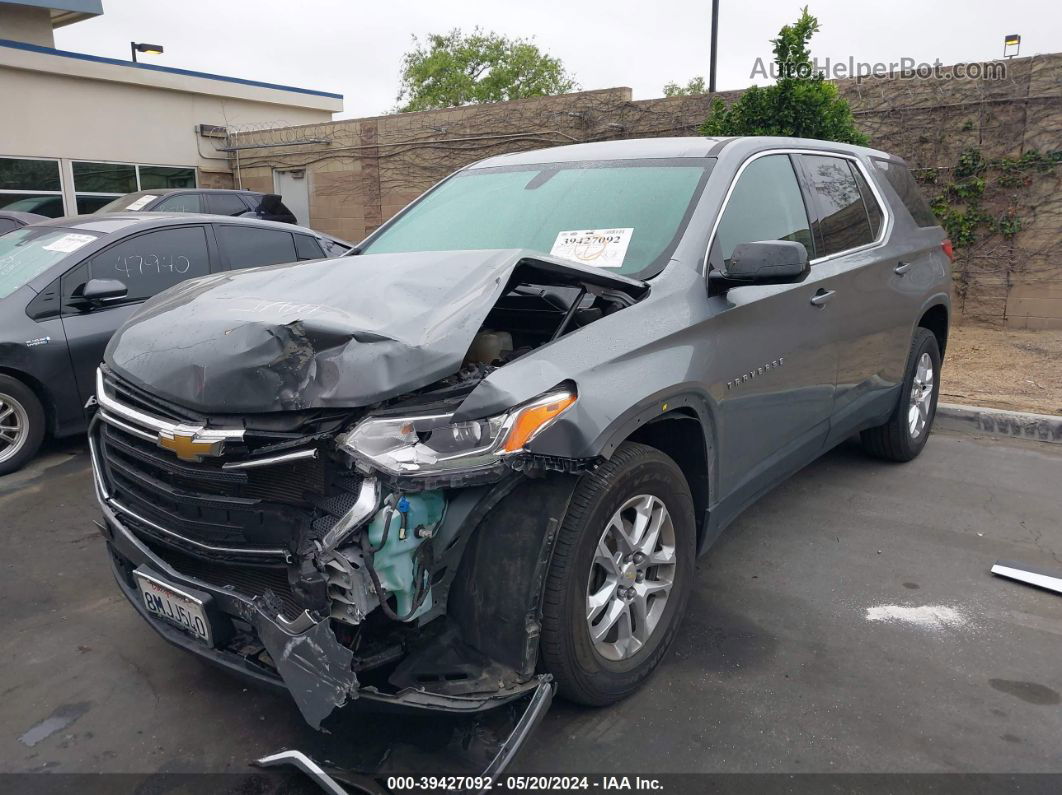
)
(87, 109)
(362, 171)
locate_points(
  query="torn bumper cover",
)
(309, 661)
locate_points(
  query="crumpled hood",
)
(346, 332)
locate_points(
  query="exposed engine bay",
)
(380, 550)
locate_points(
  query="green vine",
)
(958, 203)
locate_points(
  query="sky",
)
(355, 48)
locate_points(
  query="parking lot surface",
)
(845, 623)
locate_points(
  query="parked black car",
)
(238, 203)
(486, 450)
(66, 284)
(11, 219)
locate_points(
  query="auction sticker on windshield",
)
(602, 248)
(174, 605)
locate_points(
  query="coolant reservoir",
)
(489, 346)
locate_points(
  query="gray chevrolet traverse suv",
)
(478, 459)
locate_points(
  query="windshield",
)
(130, 201)
(29, 252)
(624, 215)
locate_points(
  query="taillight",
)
(948, 249)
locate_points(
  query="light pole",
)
(150, 49)
(715, 39)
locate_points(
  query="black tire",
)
(19, 399)
(894, 441)
(567, 651)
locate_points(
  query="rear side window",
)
(308, 248)
(874, 211)
(6, 225)
(147, 264)
(249, 246)
(225, 204)
(842, 219)
(899, 176)
(181, 203)
(765, 204)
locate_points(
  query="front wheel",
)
(905, 433)
(620, 576)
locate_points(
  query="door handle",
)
(902, 267)
(822, 296)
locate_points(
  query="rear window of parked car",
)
(848, 215)
(899, 176)
(248, 246)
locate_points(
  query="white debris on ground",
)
(929, 617)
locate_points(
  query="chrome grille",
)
(203, 507)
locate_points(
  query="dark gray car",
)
(483, 455)
(11, 219)
(216, 201)
(67, 284)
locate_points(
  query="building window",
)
(31, 186)
(156, 177)
(97, 184)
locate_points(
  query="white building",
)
(77, 130)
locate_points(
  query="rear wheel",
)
(21, 424)
(620, 576)
(905, 433)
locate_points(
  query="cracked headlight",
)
(432, 443)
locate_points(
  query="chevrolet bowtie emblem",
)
(188, 445)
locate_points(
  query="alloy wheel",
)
(921, 396)
(631, 577)
(14, 427)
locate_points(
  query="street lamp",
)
(715, 41)
(150, 49)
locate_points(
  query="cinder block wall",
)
(362, 171)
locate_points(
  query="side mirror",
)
(763, 262)
(100, 291)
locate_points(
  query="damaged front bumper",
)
(309, 661)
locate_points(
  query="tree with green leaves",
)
(693, 88)
(801, 103)
(453, 69)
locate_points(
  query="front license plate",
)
(174, 605)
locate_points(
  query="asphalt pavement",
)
(848, 622)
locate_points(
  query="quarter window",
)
(249, 246)
(308, 248)
(899, 176)
(147, 263)
(842, 222)
(766, 204)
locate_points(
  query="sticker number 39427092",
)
(602, 248)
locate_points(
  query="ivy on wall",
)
(958, 204)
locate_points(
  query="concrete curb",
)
(1019, 424)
